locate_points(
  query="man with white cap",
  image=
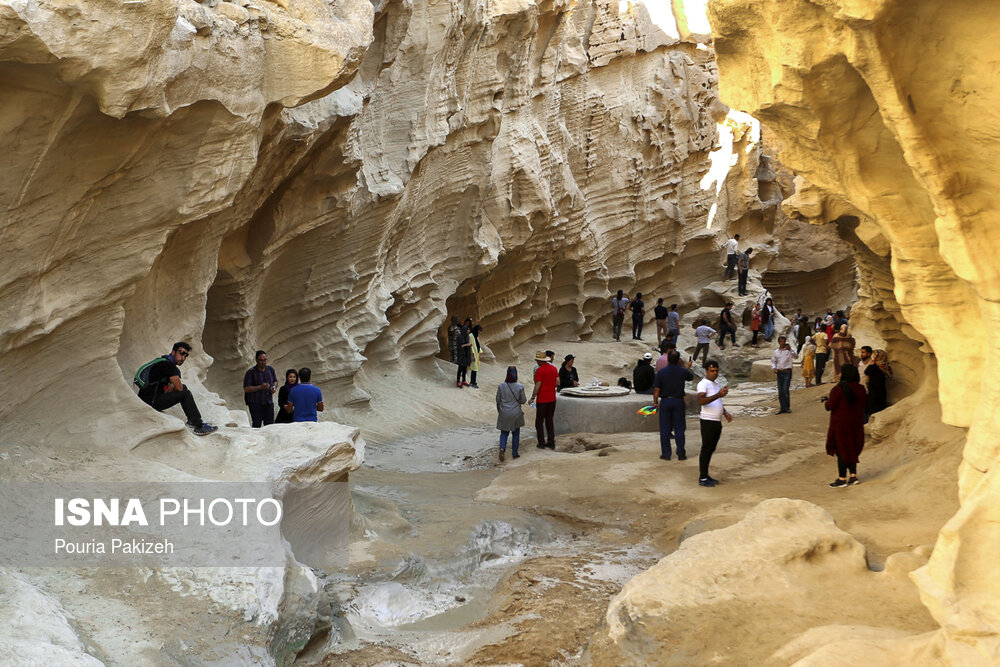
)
(643, 375)
(546, 379)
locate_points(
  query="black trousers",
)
(169, 399)
(742, 287)
(460, 376)
(261, 415)
(544, 413)
(636, 327)
(711, 431)
(722, 335)
(698, 348)
(730, 266)
(821, 359)
(842, 467)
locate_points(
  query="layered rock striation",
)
(889, 110)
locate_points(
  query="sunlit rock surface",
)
(889, 109)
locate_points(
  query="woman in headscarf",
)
(755, 323)
(474, 349)
(878, 373)
(454, 331)
(808, 360)
(568, 377)
(767, 319)
(842, 346)
(510, 416)
(291, 379)
(845, 438)
(464, 353)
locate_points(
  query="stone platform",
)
(606, 414)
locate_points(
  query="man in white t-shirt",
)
(703, 334)
(712, 412)
(618, 305)
(732, 253)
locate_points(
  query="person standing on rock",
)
(259, 385)
(291, 379)
(660, 313)
(638, 309)
(781, 364)
(546, 379)
(618, 306)
(673, 323)
(305, 400)
(845, 437)
(710, 396)
(727, 325)
(454, 333)
(822, 352)
(755, 323)
(767, 313)
(668, 397)
(732, 256)
(164, 389)
(510, 416)
(744, 271)
(703, 334)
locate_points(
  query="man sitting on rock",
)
(643, 375)
(164, 389)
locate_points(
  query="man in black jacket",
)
(164, 389)
(643, 375)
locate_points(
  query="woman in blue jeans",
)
(767, 319)
(510, 416)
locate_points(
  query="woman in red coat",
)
(846, 436)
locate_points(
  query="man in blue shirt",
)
(305, 400)
(669, 386)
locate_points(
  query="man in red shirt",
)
(546, 379)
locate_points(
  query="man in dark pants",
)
(712, 412)
(164, 389)
(727, 325)
(743, 270)
(669, 384)
(259, 385)
(546, 379)
(638, 314)
(732, 255)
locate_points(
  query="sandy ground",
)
(612, 494)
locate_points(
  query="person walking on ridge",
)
(732, 256)
(744, 271)
(727, 325)
(710, 396)
(668, 397)
(703, 334)
(660, 313)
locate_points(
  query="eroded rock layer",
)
(889, 109)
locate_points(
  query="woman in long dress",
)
(474, 349)
(808, 361)
(510, 416)
(842, 346)
(845, 438)
(878, 373)
(755, 323)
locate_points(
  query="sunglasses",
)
(183, 353)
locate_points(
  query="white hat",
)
(648, 355)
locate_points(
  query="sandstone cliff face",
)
(889, 109)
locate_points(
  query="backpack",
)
(141, 377)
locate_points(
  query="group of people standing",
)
(463, 345)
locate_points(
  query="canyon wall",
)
(889, 110)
